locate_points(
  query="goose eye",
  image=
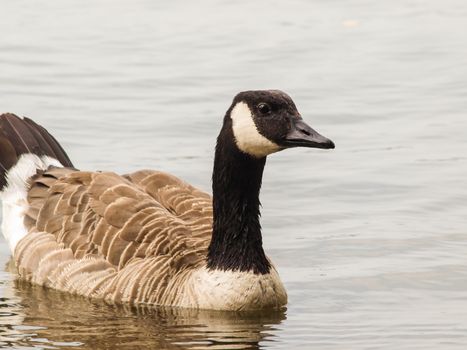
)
(264, 108)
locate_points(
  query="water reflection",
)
(73, 321)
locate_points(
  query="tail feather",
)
(25, 149)
(48, 143)
(23, 136)
(8, 157)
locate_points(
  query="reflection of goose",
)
(148, 237)
(10, 314)
(59, 318)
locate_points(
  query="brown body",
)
(140, 238)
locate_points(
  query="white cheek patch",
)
(247, 136)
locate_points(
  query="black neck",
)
(236, 181)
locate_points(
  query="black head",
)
(267, 121)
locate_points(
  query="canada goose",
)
(148, 237)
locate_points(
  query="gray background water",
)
(370, 238)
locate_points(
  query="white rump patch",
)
(14, 195)
(247, 136)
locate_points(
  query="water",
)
(370, 238)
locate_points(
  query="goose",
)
(147, 237)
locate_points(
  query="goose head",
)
(267, 121)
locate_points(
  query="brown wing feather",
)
(122, 238)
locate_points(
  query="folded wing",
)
(131, 238)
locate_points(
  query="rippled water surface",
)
(370, 238)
